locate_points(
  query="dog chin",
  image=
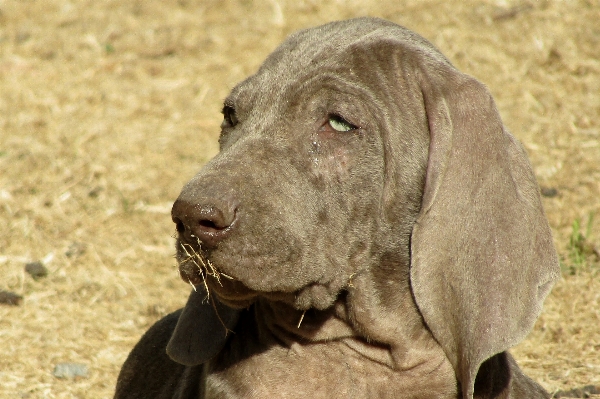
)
(315, 296)
(235, 294)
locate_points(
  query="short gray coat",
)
(369, 229)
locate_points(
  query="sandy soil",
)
(108, 107)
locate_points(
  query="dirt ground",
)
(108, 107)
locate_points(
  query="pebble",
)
(70, 370)
(549, 192)
(36, 270)
(10, 298)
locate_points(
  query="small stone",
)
(10, 298)
(70, 370)
(95, 192)
(36, 270)
(22, 36)
(582, 392)
(549, 192)
(76, 249)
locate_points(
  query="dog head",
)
(357, 149)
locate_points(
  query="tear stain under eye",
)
(315, 151)
(328, 162)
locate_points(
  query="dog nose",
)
(210, 223)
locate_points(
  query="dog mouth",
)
(194, 265)
(240, 274)
(196, 268)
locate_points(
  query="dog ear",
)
(202, 329)
(482, 257)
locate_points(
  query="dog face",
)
(308, 186)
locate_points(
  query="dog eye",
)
(229, 117)
(339, 124)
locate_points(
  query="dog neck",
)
(401, 346)
(282, 351)
(389, 315)
(310, 326)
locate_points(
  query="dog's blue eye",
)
(339, 124)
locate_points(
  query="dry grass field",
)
(108, 107)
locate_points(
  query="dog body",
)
(368, 230)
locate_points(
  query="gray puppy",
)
(369, 229)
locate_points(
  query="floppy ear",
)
(482, 257)
(201, 331)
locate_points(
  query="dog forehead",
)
(315, 56)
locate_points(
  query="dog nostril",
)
(209, 224)
(179, 226)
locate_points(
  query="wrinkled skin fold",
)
(369, 229)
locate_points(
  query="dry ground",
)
(108, 107)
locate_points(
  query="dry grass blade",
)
(206, 269)
(301, 318)
(214, 305)
(204, 265)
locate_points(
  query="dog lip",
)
(197, 269)
(186, 248)
(232, 293)
(191, 260)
